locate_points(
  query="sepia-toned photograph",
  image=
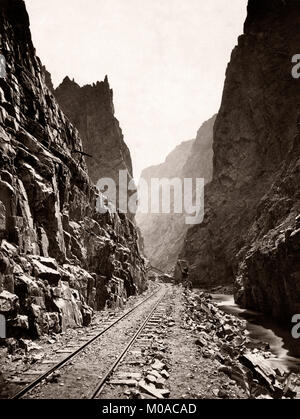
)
(149, 203)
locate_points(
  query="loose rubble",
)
(144, 373)
(224, 337)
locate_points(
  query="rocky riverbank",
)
(224, 337)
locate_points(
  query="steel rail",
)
(102, 383)
(63, 362)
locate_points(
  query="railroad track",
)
(100, 386)
(71, 356)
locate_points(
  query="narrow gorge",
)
(98, 302)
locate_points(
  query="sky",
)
(165, 60)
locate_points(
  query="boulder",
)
(87, 315)
(260, 368)
(69, 308)
(9, 303)
(44, 272)
(49, 262)
(43, 322)
(20, 322)
(18, 326)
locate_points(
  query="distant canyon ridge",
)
(164, 234)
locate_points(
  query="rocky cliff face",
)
(164, 233)
(91, 110)
(269, 272)
(59, 257)
(249, 231)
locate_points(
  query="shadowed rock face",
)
(249, 228)
(59, 257)
(164, 233)
(91, 110)
(48, 79)
(269, 272)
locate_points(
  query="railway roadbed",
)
(168, 344)
(78, 377)
(21, 366)
(165, 361)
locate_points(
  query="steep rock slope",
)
(164, 233)
(252, 201)
(268, 277)
(90, 108)
(59, 256)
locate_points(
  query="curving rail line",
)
(66, 360)
(114, 366)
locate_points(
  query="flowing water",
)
(284, 347)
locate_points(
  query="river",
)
(284, 347)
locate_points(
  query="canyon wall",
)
(250, 232)
(90, 108)
(164, 233)
(60, 256)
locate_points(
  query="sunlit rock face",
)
(249, 232)
(60, 258)
(164, 233)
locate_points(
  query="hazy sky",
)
(165, 60)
